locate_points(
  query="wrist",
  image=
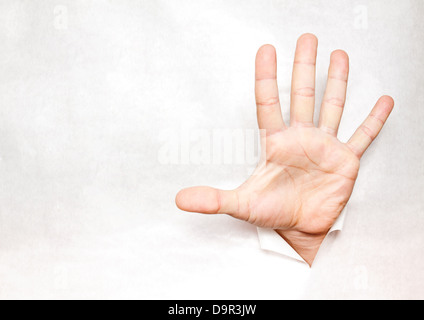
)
(306, 245)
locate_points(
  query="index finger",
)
(266, 90)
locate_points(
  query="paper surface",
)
(92, 93)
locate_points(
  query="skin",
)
(306, 175)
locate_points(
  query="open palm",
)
(306, 175)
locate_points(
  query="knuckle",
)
(337, 102)
(307, 92)
(368, 132)
(270, 101)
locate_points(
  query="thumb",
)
(207, 200)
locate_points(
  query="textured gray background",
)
(91, 90)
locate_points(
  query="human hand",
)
(306, 175)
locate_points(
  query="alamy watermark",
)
(60, 20)
(361, 17)
(210, 147)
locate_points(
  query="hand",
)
(306, 175)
